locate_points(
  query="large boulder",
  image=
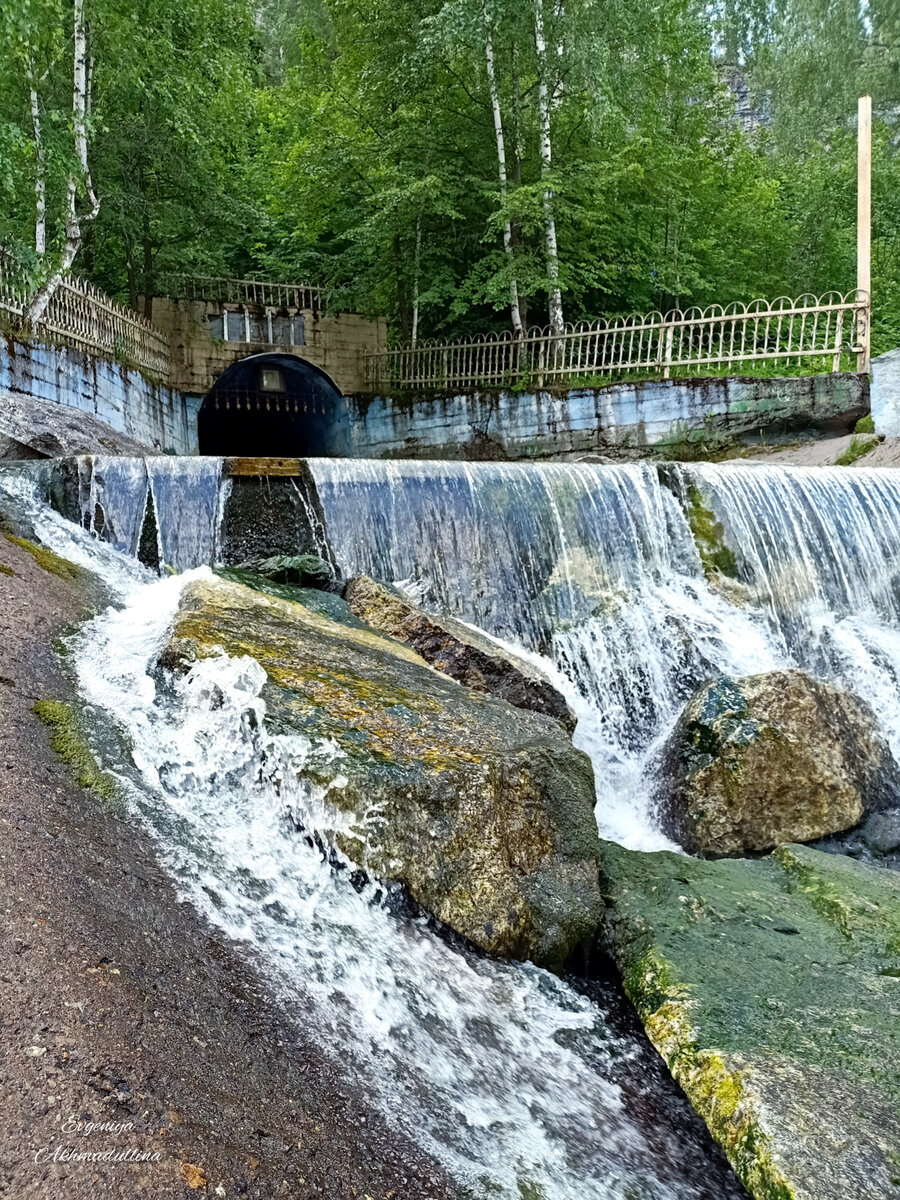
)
(771, 988)
(770, 758)
(483, 811)
(456, 650)
(32, 428)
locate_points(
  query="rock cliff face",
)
(772, 990)
(483, 811)
(771, 758)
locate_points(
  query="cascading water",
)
(504, 1072)
(596, 569)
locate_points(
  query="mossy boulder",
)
(770, 758)
(771, 988)
(298, 570)
(483, 811)
(455, 650)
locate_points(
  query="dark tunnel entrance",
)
(273, 406)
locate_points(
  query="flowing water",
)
(509, 1076)
(595, 568)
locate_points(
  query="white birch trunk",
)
(40, 180)
(557, 323)
(74, 222)
(514, 311)
(414, 332)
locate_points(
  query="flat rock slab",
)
(455, 650)
(40, 429)
(771, 988)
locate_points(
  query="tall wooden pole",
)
(864, 227)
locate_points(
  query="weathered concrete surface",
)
(118, 1003)
(152, 414)
(677, 417)
(886, 393)
(40, 429)
(765, 759)
(336, 342)
(772, 990)
(483, 811)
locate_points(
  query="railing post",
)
(864, 227)
(838, 334)
(664, 348)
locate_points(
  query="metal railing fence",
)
(818, 332)
(80, 315)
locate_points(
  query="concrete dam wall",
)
(677, 417)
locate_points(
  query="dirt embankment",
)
(826, 452)
(119, 1006)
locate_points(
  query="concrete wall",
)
(336, 343)
(158, 417)
(620, 417)
(886, 393)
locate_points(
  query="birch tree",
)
(82, 202)
(557, 322)
(40, 155)
(515, 311)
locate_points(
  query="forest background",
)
(456, 165)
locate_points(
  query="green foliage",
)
(865, 424)
(354, 144)
(859, 446)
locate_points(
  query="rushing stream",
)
(511, 1077)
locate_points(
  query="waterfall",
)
(513, 1080)
(115, 492)
(595, 569)
(510, 1077)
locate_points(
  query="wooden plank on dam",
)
(261, 466)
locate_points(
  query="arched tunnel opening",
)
(273, 406)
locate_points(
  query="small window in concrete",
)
(287, 330)
(216, 326)
(271, 380)
(259, 332)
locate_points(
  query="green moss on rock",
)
(764, 759)
(482, 810)
(46, 559)
(5, 570)
(709, 536)
(762, 984)
(68, 742)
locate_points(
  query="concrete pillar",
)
(886, 393)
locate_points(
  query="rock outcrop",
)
(483, 811)
(297, 570)
(772, 990)
(41, 429)
(455, 650)
(771, 758)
